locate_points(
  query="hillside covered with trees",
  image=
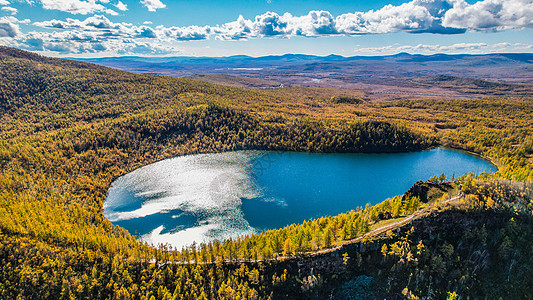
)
(68, 129)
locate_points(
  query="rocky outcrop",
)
(420, 189)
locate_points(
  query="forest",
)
(68, 129)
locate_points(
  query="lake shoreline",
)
(223, 194)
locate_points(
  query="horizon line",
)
(289, 53)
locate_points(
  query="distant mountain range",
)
(243, 61)
(403, 73)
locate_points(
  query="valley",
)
(379, 77)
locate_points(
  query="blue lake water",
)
(217, 196)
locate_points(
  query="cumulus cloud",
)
(316, 23)
(145, 32)
(4, 2)
(416, 16)
(9, 9)
(153, 5)
(100, 26)
(189, 33)
(78, 42)
(141, 48)
(490, 15)
(78, 6)
(9, 27)
(7, 30)
(271, 24)
(91, 23)
(97, 32)
(121, 6)
(236, 30)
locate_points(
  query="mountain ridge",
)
(378, 76)
(517, 56)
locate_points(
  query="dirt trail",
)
(373, 232)
(384, 228)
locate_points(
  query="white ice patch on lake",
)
(208, 187)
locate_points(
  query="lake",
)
(217, 196)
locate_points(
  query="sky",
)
(104, 28)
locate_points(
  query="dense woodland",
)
(68, 129)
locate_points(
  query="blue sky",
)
(95, 28)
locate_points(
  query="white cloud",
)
(416, 16)
(9, 27)
(95, 34)
(490, 15)
(142, 48)
(472, 48)
(100, 26)
(83, 42)
(188, 33)
(9, 9)
(78, 6)
(239, 29)
(98, 33)
(462, 47)
(501, 45)
(4, 2)
(153, 5)
(316, 23)
(96, 22)
(406, 17)
(121, 6)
